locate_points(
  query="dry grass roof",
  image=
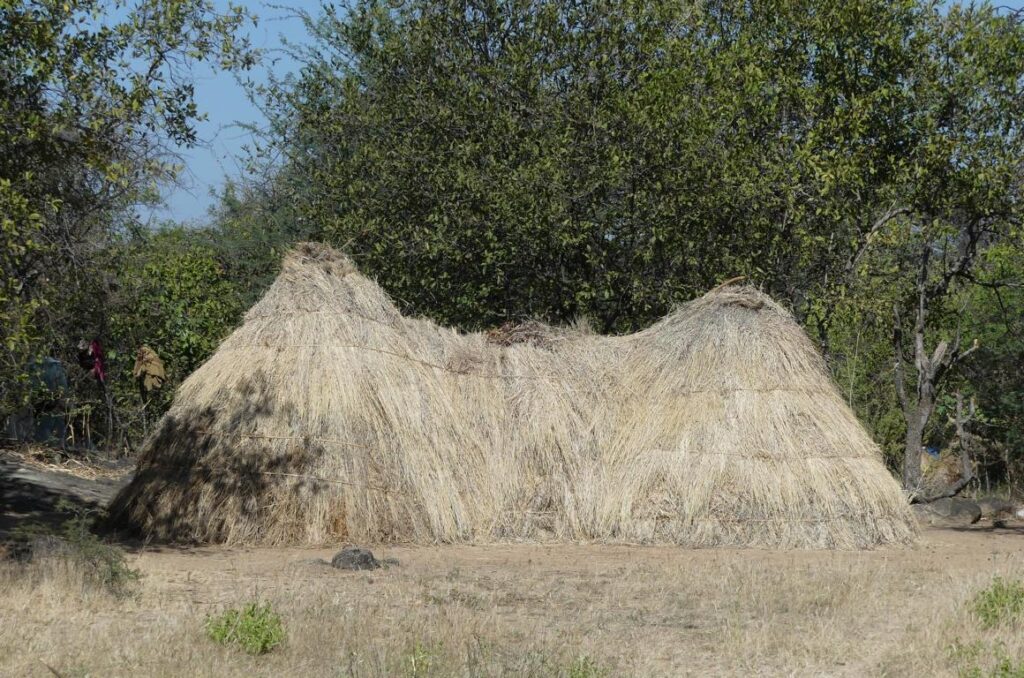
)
(328, 416)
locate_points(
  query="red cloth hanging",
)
(98, 369)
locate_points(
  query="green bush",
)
(255, 628)
(1000, 603)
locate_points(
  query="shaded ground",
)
(30, 492)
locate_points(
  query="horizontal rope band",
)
(495, 375)
(664, 450)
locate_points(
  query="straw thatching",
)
(329, 416)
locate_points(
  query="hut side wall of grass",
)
(328, 416)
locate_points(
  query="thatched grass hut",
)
(328, 416)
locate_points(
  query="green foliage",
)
(20, 227)
(175, 296)
(1001, 603)
(254, 227)
(93, 97)
(105, 563)
(102, 565)
(419, 660)
(980, 660)
(256, 628)
(585, 667)
(551, 159)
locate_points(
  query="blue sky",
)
(225, 103)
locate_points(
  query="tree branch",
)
(889, 215)
(951, 491)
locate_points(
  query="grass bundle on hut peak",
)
(329, 416)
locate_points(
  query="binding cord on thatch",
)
(328, 415)
(508, 376)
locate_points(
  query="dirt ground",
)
(508, 610)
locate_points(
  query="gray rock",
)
(991, 506)
(997, 510)
(353, 558)
(948, 512)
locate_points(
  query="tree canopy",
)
(94, 97)
(497, 160)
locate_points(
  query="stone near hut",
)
(948, 512)
(997, 510)
(352, 558)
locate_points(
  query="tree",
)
(93, 97)
(504, 159)
(960, 194)
(175, 295)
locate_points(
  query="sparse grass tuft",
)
(74, 546)
(255, 628)
(1000, 603)
(585, 667)
(982, 660)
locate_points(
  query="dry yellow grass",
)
(531, 610)
(328, 416)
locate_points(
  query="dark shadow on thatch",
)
(196, 458)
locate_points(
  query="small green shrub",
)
(101, 564)
(1000, 603)
(585, 667)
(980, 660)
(255, 628)
(420, 659)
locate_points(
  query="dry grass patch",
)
(973, 631)
(579, 611)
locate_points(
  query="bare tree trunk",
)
(912, 477)
(918, 404)
(965, 441)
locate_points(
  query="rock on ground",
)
(948, 512)
(352, 558)
(997, 510)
